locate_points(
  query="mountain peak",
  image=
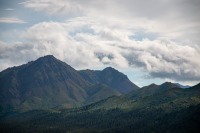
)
(109, 69)
(47, 57)
(167, 83)
(51, 61)
(110, 72)
(153, 84)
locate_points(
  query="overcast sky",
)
(151, 41)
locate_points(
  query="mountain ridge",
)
(48, 82)
(151, 90)
(111, 77)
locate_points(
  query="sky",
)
(151, 41)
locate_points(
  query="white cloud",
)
(12, 20)
(174, 19)
(53, 38)
(159, 36)
(54, 7)
(87, 43)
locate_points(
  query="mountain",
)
(151, 90)
(43, 83)
(110, 77)
(48, 82)
(58, 98)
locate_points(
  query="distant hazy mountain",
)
(182, 86)
(110, 77)
(49, 82)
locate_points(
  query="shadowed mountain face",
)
(111, 77)
(151, 90)
(49, 82)
(43, 83)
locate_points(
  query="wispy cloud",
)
(9, 9)
(174, 19)
(12, 20)
(52, 7)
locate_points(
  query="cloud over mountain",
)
(159, 37)
(87, 43)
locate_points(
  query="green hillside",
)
(174, 110)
